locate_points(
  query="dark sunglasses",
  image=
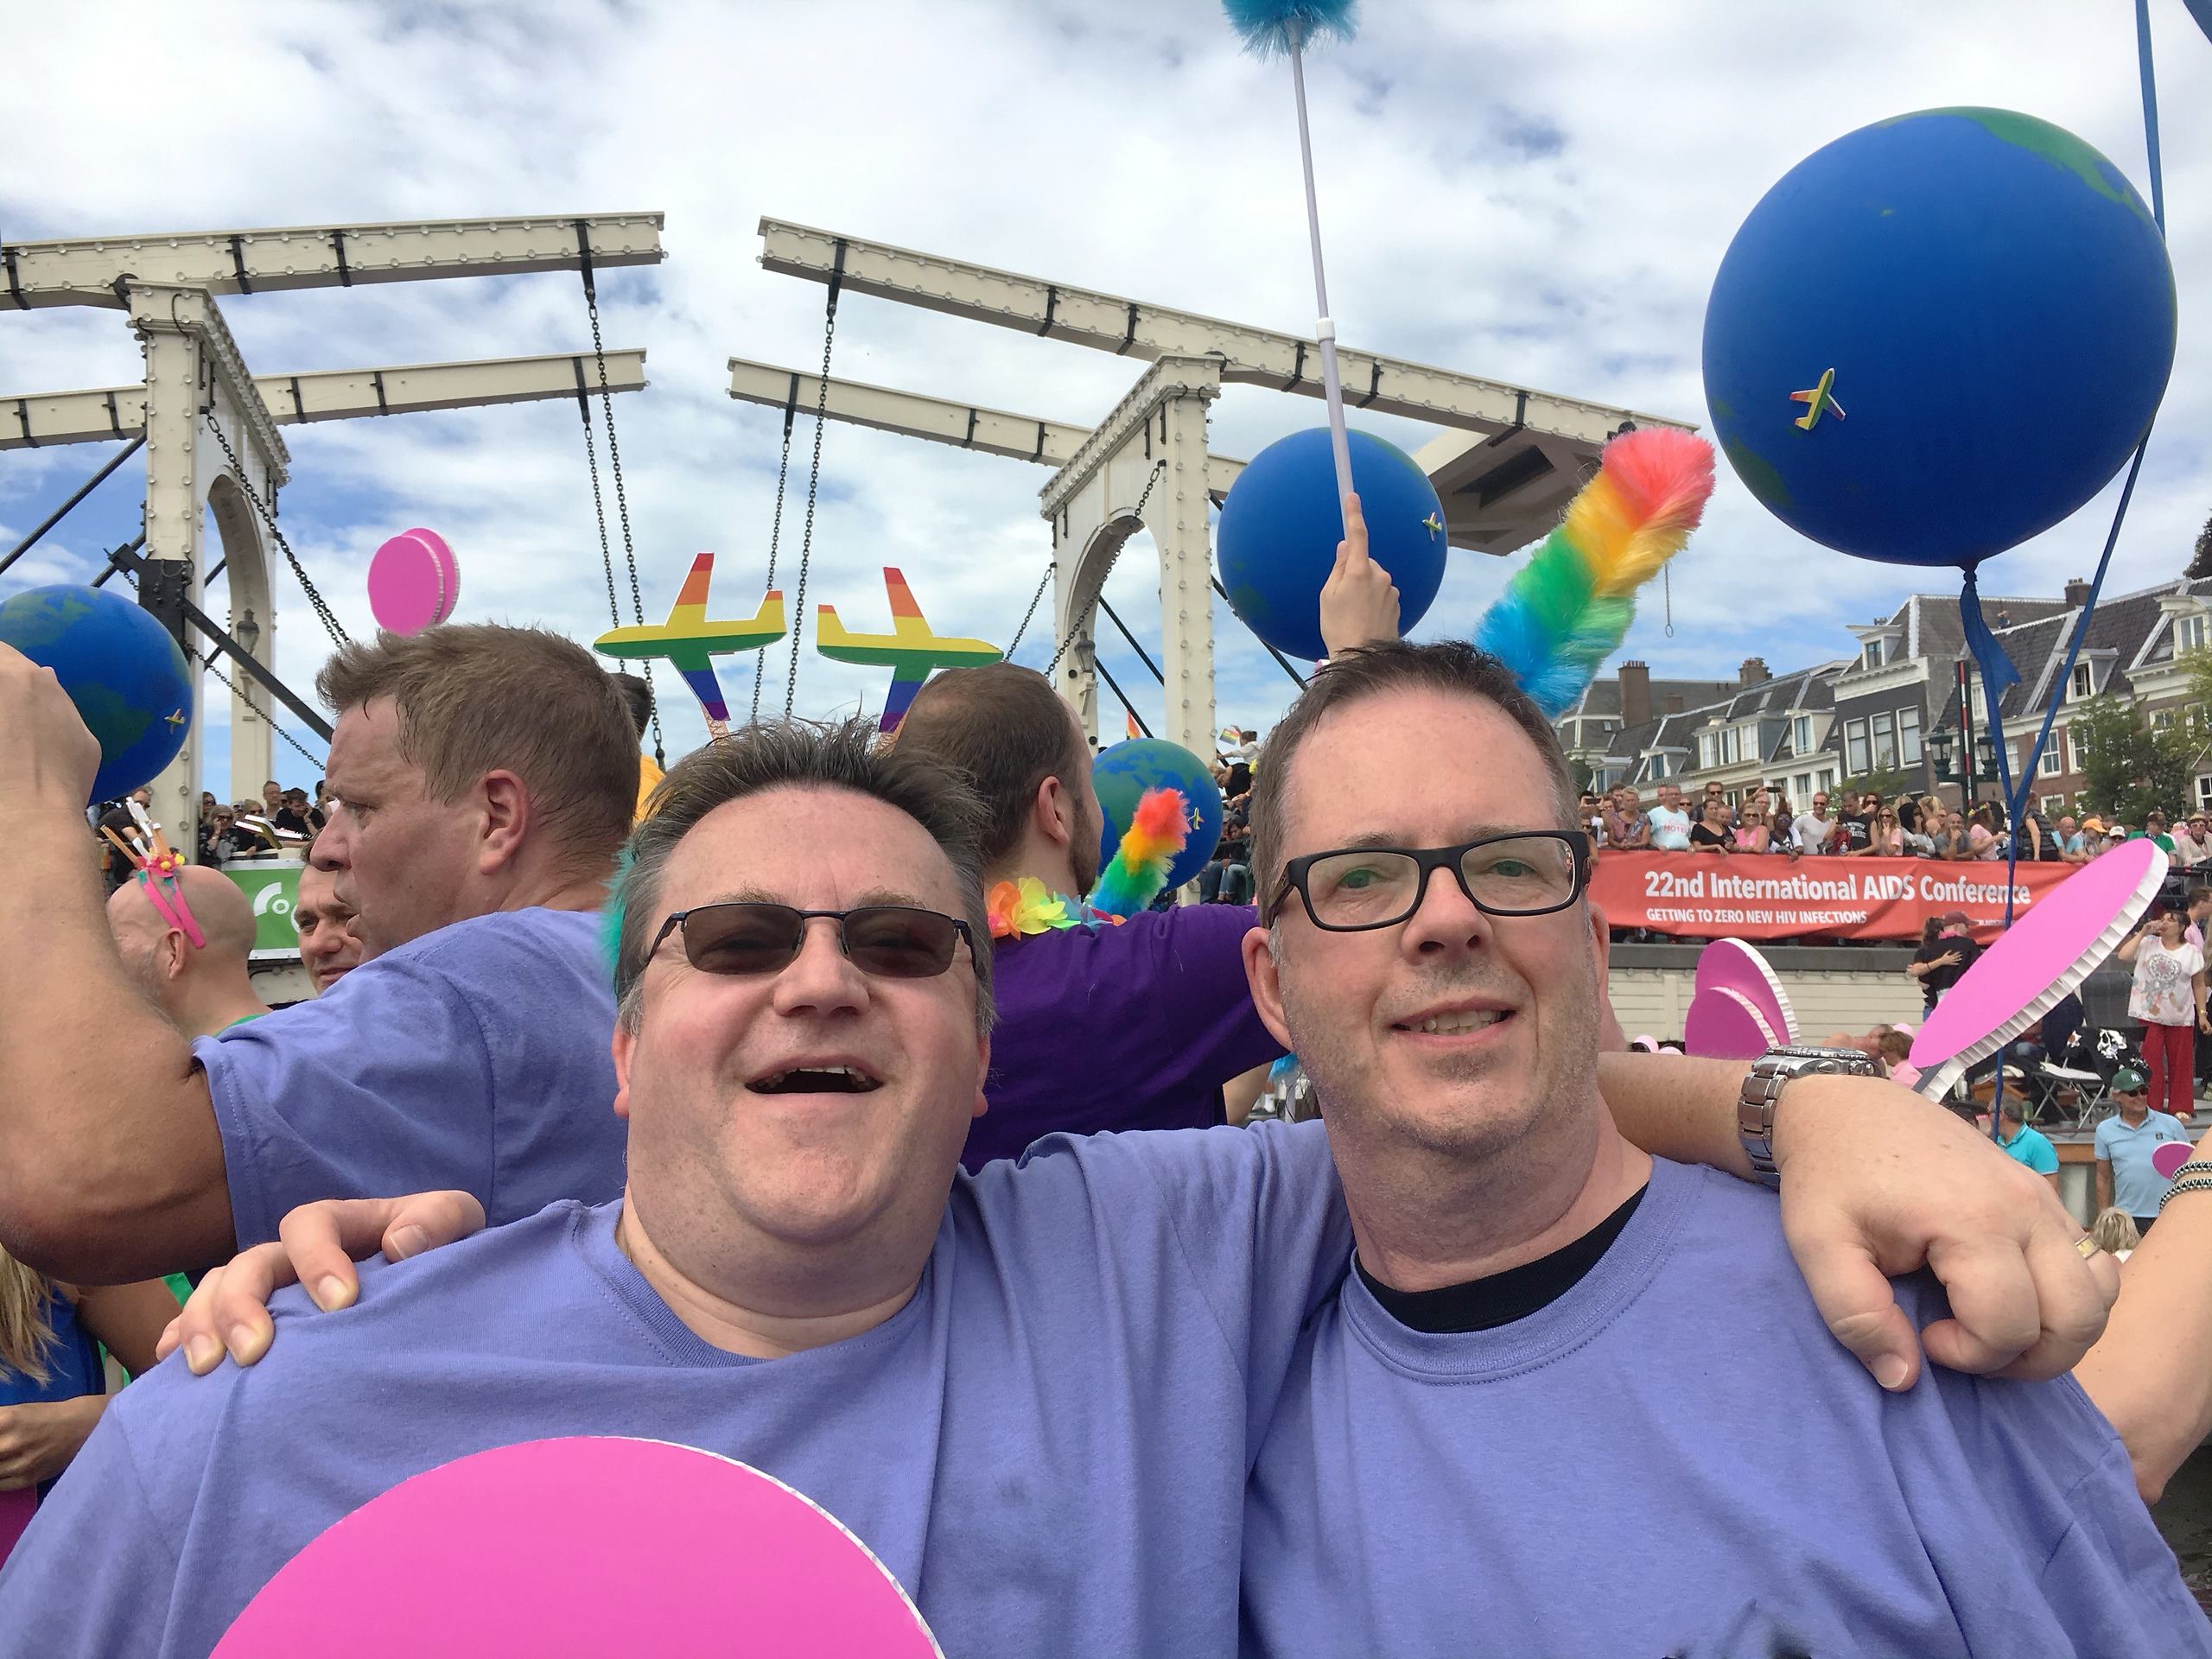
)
(883, 941)
(1351, 890)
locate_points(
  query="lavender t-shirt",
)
(1128, 1027)
(1677, 1457)
(475, 1057)
(1047, 1447)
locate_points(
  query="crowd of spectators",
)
(1867, 824)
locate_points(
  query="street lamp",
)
(1946, 747)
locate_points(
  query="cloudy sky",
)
(1538, 193)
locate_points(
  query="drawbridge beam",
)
(1138, 328)
(85, 270)
(910, 414)
(35, 419)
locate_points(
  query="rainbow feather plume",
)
(1158, 830)
(1568, 609)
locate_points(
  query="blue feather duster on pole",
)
(1273, 28)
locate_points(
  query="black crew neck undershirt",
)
(1502, 1298)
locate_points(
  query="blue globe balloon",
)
(1980, 312)
(121, 669)
(1279, 527)
(1123, 773)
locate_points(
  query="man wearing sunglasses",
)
(1539, 1315)
(971, 1373)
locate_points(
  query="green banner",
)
(272, 885)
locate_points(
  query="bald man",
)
(202, 989)
(329, 948)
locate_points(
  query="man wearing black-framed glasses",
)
(1539, 1314)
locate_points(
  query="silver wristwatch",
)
(1771, 1073)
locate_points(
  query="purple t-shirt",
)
(1128, 1027)
(1677, 1457)
(1047, 1447)
(475, 1057)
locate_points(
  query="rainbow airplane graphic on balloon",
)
(691, 640)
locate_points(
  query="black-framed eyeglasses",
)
(1530, 873)
(883, 941)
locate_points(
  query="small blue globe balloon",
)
(1939, 335)
(1279, 527)
(119, 666)
(1123, 773)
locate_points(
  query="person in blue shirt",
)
(2025, 1145)
(1087, 1343)
(2125, 1143)
(485, 779)
(1539, 1320)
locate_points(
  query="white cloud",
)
(1539, 195)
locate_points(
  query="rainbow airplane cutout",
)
(690, 641)
(911, 651)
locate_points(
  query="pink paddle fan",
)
(582, 1547)
(2037, 963)
(1738, 1007)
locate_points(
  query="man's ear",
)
(504, 801)
(1265, 978)
(625, 1045)
(1601, 947)
(1054, 813)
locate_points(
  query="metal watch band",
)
(2195, 1184)
(1771, 1073)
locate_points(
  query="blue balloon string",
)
(2150, 112)
(2016, 799)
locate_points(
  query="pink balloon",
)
(2169, 1156)
(584, 1547)
(414, 582)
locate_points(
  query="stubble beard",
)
(1507, 1117)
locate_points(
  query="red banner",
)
(1766, 896)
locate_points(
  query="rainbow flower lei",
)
(1020, 908)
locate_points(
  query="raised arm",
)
(110, 1160)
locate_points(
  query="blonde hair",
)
(26, 1332)
(2115, 1231)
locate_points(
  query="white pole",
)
(1325, 328)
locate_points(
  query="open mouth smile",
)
(827, 1079)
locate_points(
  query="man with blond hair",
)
(484, 778)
